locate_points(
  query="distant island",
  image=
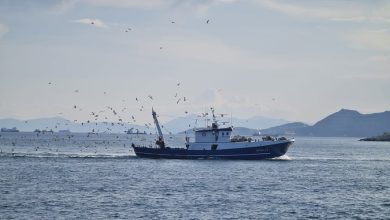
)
(384, 137)
(9, 129)
(344, 123)
(349, 123)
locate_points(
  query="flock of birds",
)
(55, 143)
(111, 118)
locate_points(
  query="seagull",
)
(172, 22)
(161, 48)
(178, 84)
(74, 106)
(49, 83)
(178, 101)
(136, 99)
(76, 90)
(92, 22)
(151, 97)
(184, 99)
(208, 20)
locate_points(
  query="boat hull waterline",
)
(249, 153)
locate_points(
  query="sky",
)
(298, 60)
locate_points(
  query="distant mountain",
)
(349, 123)
(258, 122)
(182, 124)
(344, 123)
(286, 129)
(58, 123)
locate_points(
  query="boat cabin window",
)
(223, 133)
(214, 146)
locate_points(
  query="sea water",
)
(89, 176)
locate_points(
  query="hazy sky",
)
(297, 60)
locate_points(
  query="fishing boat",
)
(214, 142)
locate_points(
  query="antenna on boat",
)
(215, 122)
(160, 142)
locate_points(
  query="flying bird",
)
(208, 20)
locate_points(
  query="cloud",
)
(379, 58)
(127, 3)
(199, 6)
(344, 11)
(63, 6)
(219, 99)
(95, 22)
(3, 29)
(370, 39)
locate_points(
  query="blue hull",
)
(250, 153)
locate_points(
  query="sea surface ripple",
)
(62, 176)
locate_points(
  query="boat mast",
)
(160, 142)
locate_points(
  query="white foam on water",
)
(284, 157)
